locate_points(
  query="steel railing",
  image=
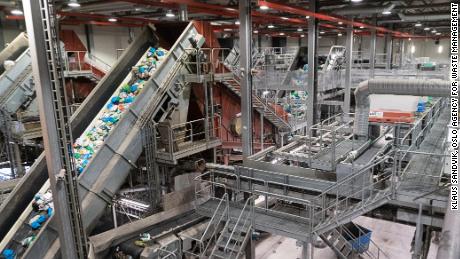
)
(180, 134)
(205, 189)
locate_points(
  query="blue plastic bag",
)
(9, 254)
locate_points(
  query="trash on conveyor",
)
(43, 204)
(28, 240)
(93, 138)
(8, 254)
(145, 237)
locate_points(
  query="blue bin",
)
(359, 237)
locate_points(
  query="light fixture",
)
(264, 7)
(418, 24)
(170, 13)
(113, 19)
(412, 49)
(284, 18)
(256, 31)
(307, 17)
(16, 11)
(427, 28)
(438, 33)
(434, 31)
(299, 29)
(282, 34)
(410, 39)
(340, 23)
(216, 24)
(356, 1)
(386, 12)
(322, 32)
(271, 26)
(237, 22)
(228, 29)
(361, 27)
(73, 4)
(440, 49)
(301, 36)
(340, 34)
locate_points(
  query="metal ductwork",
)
(435, 88)
(449, 247)
(428, 17)
(365, 10)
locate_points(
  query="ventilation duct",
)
(435, 88)
(430, 17)
(365, 10)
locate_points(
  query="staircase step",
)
(232, 247)
(236, 238)
(222, 254)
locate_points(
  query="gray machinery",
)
(108, 168)
(16, 93)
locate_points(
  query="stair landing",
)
(270, 222)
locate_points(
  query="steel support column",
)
(44, 83)
(389, 51)
(246, 77)
(349, 59)
(183, 12)
(372, 50)
(312, 67)
(2, 37)
(306, 251)
(250, 250)
(418, 235)
(402, 44)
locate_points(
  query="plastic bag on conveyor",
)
(93, 138)
(8, 254)
(28, 240)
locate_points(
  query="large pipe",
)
(449, 247)
(435, 88)
(365, 10)
(426, 17)
(14, 49)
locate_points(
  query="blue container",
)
(359, 237)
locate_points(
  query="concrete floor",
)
(393, 238)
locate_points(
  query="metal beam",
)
(246, 77)
(183, 12)
(43, 83)
(372, 50)
(312, 66)
(349, 59)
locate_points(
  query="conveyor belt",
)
(31, 182)
(107, 170)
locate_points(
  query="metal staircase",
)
(232, 64)
(347, 245)
(235, 235)
(264, 108)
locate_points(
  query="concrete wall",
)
(106, 40)
(428, 48)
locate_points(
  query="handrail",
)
(243, 227)
(223, 201)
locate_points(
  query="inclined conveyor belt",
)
(16, 85)
(114, 156)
